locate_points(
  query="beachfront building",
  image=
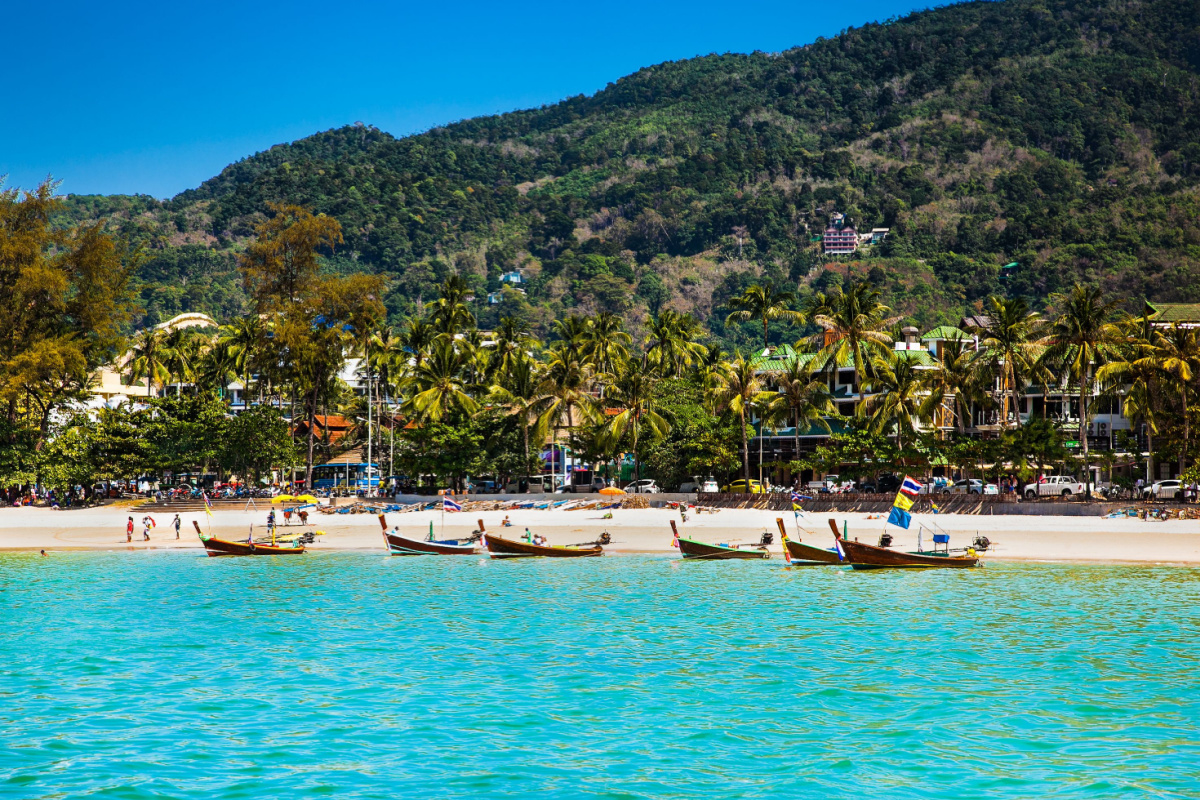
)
(1058, 403)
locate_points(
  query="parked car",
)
(935, 486)
(699, 484)
(1163, 490)
(483, 487)
(643, 486)
(1055, 486)
(886, 484)
(971, 486)
(744, 487)
(583, 482)
(827, 484)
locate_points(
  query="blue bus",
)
(346, 476)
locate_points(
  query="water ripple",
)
(362, 676)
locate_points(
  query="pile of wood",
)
(635, 501)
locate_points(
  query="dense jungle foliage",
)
(1060, 134)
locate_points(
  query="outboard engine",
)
(885, 540)
(604, 538)
(767, 537)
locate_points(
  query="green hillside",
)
(1062, 135)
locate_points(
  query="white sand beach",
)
(1047, 538)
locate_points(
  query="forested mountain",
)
(1061, 134)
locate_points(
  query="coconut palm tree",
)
(565, 387)
(955, 384)
(763, 303)
(178, 353)
(243, 340)
(631, 393)
(804, 396)
(854, 328)
(572, 333)
(417, 338)
(1176, 353)
(740, 389)
(519, 391)
(672, 346)
(1080, 339)
(1008, 345)
(439, 389)
(450, 313)
(146, 358)
(514, 341)
(606, 344)
(897, 402)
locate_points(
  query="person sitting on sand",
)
(507, 522)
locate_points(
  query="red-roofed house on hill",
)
(840, 239)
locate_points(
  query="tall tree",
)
(1009, 344)
(897, 400)
(282, 263)
(672, 346)
(519, 391)
(740, 388)
(1079, 340)
(764, 303)
(854, 327)
(805, 396)
(632, 395)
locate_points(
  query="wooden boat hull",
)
(800, 554)
(507, 548)
(225, 547)
(690, 548)
(868, 556)
(399, 545)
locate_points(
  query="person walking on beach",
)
(271, 523)
(129, 530)
(177, 522)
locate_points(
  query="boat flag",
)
(899, 517)
(207, 503)
(799, 498)
(903, 501)
(936, 510)
(910, 487)
(450, 505)
(837, 543)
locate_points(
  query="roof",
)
(1176, 312)
(945, 332)
(777, 359)
(977, 321)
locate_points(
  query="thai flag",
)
(837, 543)
(450, 505)
(207, 503)
(910, 487)
(798, 498)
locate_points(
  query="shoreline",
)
(1065, 539)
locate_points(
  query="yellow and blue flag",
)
(903, 501)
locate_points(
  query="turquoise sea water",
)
(355, 675)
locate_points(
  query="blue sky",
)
(114, 97)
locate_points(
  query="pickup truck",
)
(828, 484)
(1055, 485)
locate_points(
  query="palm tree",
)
(606, 344)
(146, 358)
(438, 387)
(1132, 375)
(520, 392)
(514, 341)
(898, 400)
(632, 394)
(572, 332)
(804, 396)
(178, 354)
(417, 338)
(1176, 354)
(565, 388)
(763, 303)
(854, 327)
(243, 340)
(1079, 339)
(450, 313)
(1009, 344)
(672, 343)
(740, 389)
(954, 384)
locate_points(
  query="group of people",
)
(148, 524)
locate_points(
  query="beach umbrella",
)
(305, 498)
(283, 498)
(612, 490)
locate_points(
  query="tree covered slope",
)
(1061, 134)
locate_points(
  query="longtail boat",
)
(499, 547)
(869, 556)
(690, 548)
(226, 547)
(400, 545)
(799, 554)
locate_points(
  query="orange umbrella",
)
(611, 490)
